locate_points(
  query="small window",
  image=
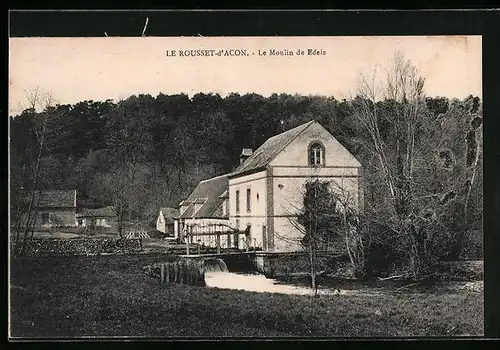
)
(316, 155)
(237, 201)
(249, 200)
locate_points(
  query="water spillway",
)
(214, 273)
(217, 275)
(214, 265)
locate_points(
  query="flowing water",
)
(218, 276)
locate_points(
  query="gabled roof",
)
(100, 212)
(56, 199)
(170, 213)
(209, 190)
(268, 150)
(188, 213)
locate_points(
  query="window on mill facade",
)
(316, 154)
(237, 200)
(249, 200)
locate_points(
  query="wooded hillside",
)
(173, 141)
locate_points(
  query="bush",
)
(154, 233)
(473, 245)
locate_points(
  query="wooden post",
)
(199, 246)
(162, 273)
(182, 271)
(172, 272)
(167, 273)
(218, 243)
(176, 271)
(187, 242)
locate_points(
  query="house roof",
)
(246, 152)
(170, 213)
(99, 212)
(56, 199)
(268, 150)
(209, 190)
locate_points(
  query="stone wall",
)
(78, 246)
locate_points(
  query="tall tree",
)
(31, 169)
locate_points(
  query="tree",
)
(402, 135)
(327, 222)
(27, 199)
(122, 188)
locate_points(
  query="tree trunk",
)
(29, 219)
(313, 269)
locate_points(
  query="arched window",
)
(316, 154)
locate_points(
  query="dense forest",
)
(156, 149)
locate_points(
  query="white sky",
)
(76, 69)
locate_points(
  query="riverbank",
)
(111, 296)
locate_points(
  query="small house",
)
(97, 218)
(54, 208)
(166, 221)
(205, 212)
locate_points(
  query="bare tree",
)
(43, 101)
(391, 111)
(403, 89)
(122, 187)
(328, 216)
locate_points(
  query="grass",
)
(110, 296)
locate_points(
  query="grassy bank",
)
(110, 296)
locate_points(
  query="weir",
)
(214, 265)
(213, 272)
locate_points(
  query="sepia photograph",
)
(245, 187)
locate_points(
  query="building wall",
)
(257, 217)
(290, 171)
(59, 217)
(296, 152)
(160, 223)
(96, 222)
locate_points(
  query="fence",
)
(138, 234)
(183, 271)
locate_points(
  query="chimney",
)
(245, 153)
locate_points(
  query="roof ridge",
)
(216, 177)
(303, 126)
(297, 130)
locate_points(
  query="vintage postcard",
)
(245, 187)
